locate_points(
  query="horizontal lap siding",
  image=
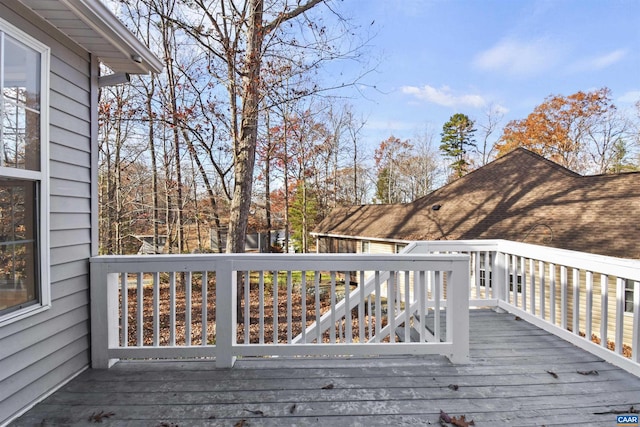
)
(41, 351)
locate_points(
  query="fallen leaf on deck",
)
(257, 412)
(444, 416)
(453, 387)
(328, 387)
(241, 423)
(553, 374)
(462, 421)
(593, 372)
(292, 409)
(518, 318)
(97, 418)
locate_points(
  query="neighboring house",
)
(520, 196)
(49, 72)
(256, 241)
(143, 244)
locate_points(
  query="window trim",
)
(41, 176)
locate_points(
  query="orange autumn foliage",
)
(557, 128)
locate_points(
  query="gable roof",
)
(91, 24)
(521, 197)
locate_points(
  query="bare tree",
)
(487, 136)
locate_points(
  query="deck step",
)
(414, 336)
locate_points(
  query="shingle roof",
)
(521, 197)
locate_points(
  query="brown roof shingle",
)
(521, 197)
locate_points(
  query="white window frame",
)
(41, 176)
(629, 287)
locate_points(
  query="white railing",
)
(589, 300)
(190, 306)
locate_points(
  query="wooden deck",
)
(518, 375)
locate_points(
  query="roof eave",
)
(126, 54)
(371, 239)
(99, 17)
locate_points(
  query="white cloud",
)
(600, 62)
(392, 125)
(609, 59)
(519, 58)
(444, 96)
(499, 109)
(630, 97)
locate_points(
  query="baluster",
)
(204, 295)
(316, 283)
(369, 316)
(140, 311)
(635, 341)
(523, 270)
(514, 274)
(156, 308)
(620, 285)
(261, 303)
(563, 297)
(407, 304)
(552, 293)
(172, 308)
(391, 316)
(303, 304)
(347, 313)
(378, 309)
(589, 305)
(247, 306)
(477, 259)
(576, 301)
(361, 317)
(332, 305)
(187, 308)
(422, 296)
(289, 305)
(436, 309)
(532, 286)
(604, 309)
(274, 286)
(124, 317)
(543, 290)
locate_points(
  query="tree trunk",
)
(245, 145)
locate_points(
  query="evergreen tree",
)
(457, 136)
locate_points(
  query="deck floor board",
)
(508, 382)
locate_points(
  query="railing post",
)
(226, 316)
(104, 315)
(499, 279)
(458, 311)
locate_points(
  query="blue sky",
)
(438, 57)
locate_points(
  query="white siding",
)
(40, 352)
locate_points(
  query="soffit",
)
(91, 25)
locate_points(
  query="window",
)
(365, 249)
(485, 269)
(628, 296)
(399, 247)
(23, 171)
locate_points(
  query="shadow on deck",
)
(518, 375)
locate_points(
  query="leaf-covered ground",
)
(285, 328)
